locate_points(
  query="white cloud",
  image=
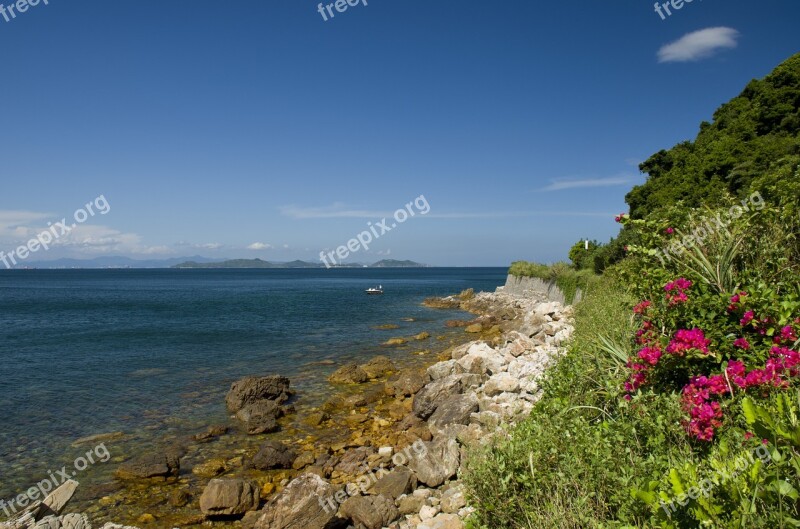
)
(698, 45)
(259, 246)
(561, 184)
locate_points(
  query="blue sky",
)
(258, 129)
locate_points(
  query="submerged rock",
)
(273, 455)
(349, 374)
(153, 465)
(378, 367)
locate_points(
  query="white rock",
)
(501, 382)
(427, 512)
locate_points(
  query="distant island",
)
(260, 263)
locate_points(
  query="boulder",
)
(428, 398)
(153, 465)
(455, 409)
(437, 463)
(399, 481)
(443, 369)
(305, 503)
(370, 512)
(491, 361)
(405, 384)
(349, 374)
(75, 521)
(252, 389)
(378, 367)
(501, 382)
(260, 416)
(229, 497)
(211, 432)
(271, 456)
(395, 341)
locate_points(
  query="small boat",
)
(375, 290)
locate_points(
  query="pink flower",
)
(670, 231)
(620, 217)
(651, 355)
(688, 340)
(788, 334)
(741, 343)
(641, 307)
(748, 317)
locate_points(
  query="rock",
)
(56, 501)
(399, 481)
(428, 511)
(249, 519)
(455, 409)
(437, 463)
(353, 460)
(151, 466)
(260, 416)
(385, 451)
(272, 455)
(211, 432)
(442, 521)
(316, 418)
(395, 341)
(371, 512)
(501, 382)
(48, 522)
(428, 398)
(227, 497)
(386, 327)
(405, 384)
(422, 336)
(378, 367)
(349, 374)
(444, 369)
(306, 503)
(410, 504)
(209, 469)
(442, 303)
(75, 521)
(303, 460)
(179, 498)
(252, 389)
(481, 358)
(474, 328)
(456, 323)
(453, 500)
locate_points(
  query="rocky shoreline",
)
(384, 451)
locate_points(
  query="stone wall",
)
(533, 286)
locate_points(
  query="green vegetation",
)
(677, 404)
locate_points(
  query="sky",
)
(247, 128)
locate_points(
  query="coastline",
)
(447, 401)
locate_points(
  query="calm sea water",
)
(95, 351)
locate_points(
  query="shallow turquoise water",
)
(93, 351)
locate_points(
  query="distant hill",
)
(247, 263)
(394, 263)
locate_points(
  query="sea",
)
(149, 352)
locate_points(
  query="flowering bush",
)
(695, 338)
